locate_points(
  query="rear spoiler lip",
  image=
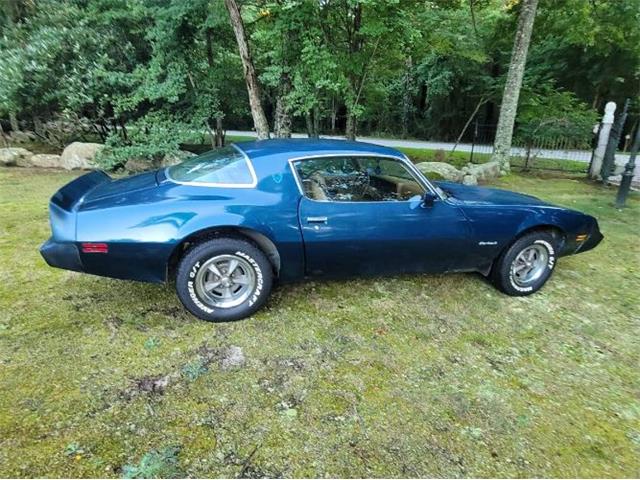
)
(72, 195)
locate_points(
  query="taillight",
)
(95, 248)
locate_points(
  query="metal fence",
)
(556, 153)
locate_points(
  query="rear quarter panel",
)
(144, 227)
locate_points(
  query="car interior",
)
(357, 180)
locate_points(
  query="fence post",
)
(473, 142)
(629, 172)
(603, 140)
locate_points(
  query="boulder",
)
(444, 170)
(45, 160)
(485, 171)
(470, 180)
(15, 156)
(79, 155)
(137, 165)
(174, 159)
(24, 136)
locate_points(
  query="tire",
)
(524, 267)
(207, 290)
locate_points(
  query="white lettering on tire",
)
(192, 290)
(258, 290)
(552, 253)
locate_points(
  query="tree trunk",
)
(13, 121)
(466, 125)
(219, 132)
(253, 88)
(309, 123)
(282, 121)
(509, 106)
(2, 136)
(316, 121)
(37, 126)
(407, 95)
(312, 118)
(334, 115)
(212, 134)
(350, 131)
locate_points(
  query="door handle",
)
(316, 219)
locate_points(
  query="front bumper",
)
(594, 237)
(592, 241)
(61, 255)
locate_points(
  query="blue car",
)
(227, 224)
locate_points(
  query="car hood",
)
(472, 195)
(122, 186)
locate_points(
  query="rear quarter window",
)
(226, 166)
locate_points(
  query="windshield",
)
(223, 166)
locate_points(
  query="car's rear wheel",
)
(524, 267)
(224, 279)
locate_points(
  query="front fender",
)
(569, 223)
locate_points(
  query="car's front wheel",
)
(224, 279)
(526, 265)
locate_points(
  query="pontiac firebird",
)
(227, 224)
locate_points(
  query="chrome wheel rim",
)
(529, 265)
(225, 281)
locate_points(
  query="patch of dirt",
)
(226, 358)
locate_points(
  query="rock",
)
(137, 165)
(470, 180)
(444, 170)
(174, 159)
(45, 160)
(15, 156)
(22, 136)
(79, 155)
(485, 171)
(232, 357)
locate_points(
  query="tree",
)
(509, 106)
(250, 76)
(152, 77)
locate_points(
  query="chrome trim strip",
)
(420, 178)
(252, 171)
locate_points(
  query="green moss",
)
(402, 376)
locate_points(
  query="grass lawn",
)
(406, 376)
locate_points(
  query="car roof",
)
(305, 147)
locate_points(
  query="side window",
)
(357, 179)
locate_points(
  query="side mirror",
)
(428, 199)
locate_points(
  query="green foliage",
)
(73, 449)
(156, 464)
(194, 370)
(546, 115)
(145, 76)
(150, 138)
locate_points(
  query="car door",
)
(366, 216)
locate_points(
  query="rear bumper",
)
(61, 255)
